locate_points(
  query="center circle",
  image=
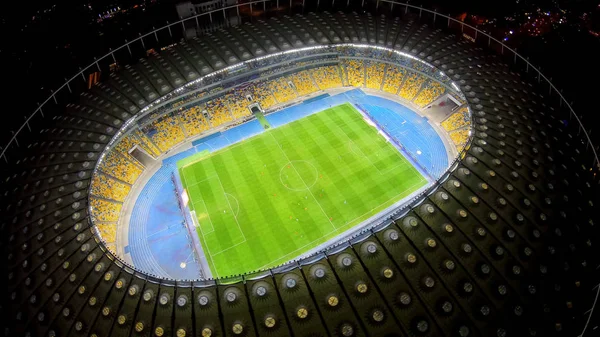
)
(298, 175)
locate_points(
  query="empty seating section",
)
(356, 72)
(393, 78)
(109, 188)
(165, 132)
(459, 137)
(304, 83)
(281, 89)
(108, 231)
(411, 85)
(219, 112)
(375, 71)
(327, 77)
(104, 210)
(193, 121)
(260, 92)
(457, 120)
(238, 104)
(120, 167)
(431, 90)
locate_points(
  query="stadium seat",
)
(393, 78)
(411, 85)
(303, 83)
(430, 92)
(327, 77)
(104, 210)
(375, 72)
(356, 72)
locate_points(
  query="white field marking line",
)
(308, 244)
(188, 257)
(230, 208)
(162, 230)
(201, 181)
(400, 155)
(311, 193)
(202, 199)
(236, 201)
(205, 243)
(369, 159)
(209, 219)
(395, 196)
(410, 189)
(350, 143)
(402, 164)
(297, 189)
(226, 249)
(215, 151)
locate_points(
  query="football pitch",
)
(272, 197)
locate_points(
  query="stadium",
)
(343, 169)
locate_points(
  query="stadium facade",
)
(502, 243)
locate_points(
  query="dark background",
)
(42, 42)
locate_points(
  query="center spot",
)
(298, 175)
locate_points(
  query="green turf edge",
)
(192, 159)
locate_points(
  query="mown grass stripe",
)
(278, 217)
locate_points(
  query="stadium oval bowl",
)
(502, 244)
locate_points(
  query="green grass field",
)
(266, 200)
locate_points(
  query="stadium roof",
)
(503, 247)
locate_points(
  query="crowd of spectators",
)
(356, 72)
(104, 210)
(118, 166)
(165, 132)
(260, 91)
(459, 137)
(411, 85)
(375, 72)
(431, 90)
(109, 188)
(457, 120)
(303, 83)
(219, 111)
(281, 89)
(393, 78)
(108, 232)
(193, 121)
(126, 143)
(327, 77)
(146, 144)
